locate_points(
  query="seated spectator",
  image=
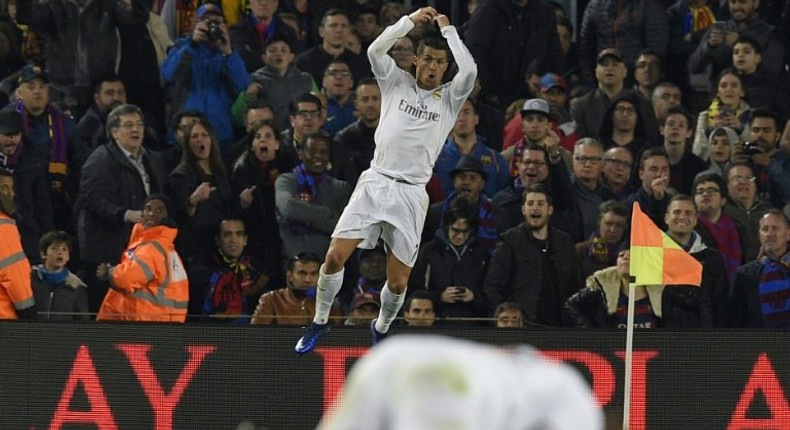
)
(309, 201)
(652, 194)
(587, 181)
(469, 179)
(337, 86)
(617, 165)
(334, 30)
(60, 295)
(200, 188)
(464, 141)
(666, 95)
(623, 125)
(534, 265)
(108, 94)
(276, 83)
(364, 308)
(604, 301)
(770, 161)
(509, 315)
(763, 281)
(226, 286)
(717, 228)
(600, 250)
(762, 89)
(648, 72)
(404, 52)
(294, 304)
(372, 270)
(358, 136)
(722, 142)
(727, 109)
(744, 205)
(453, 266)
(419, 310)
(254, 111)
(150, 283)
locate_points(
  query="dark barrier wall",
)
(106, 376)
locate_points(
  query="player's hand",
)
(441, 20)
(423, 15)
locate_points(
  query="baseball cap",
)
(551, 80)
(468, 164)
(10, 122)
(206, 9)
(31, 72)
(536, 105)
(364, 298)
(610, 52)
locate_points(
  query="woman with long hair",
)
(727, 109)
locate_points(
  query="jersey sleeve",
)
(380, 62)
(464, 80)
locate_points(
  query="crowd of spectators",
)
(248, 123)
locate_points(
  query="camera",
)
(751, 148)
(214, 31)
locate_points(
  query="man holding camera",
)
(771, 164)
(202, 72)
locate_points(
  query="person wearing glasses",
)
(453, 265)
(617, 165)
(338, 86)
(116, 179)
(717, 228)
(744, 205)
(588, 182)
(390, 201)
(304, 115)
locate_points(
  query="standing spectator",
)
(358, 137)
(108, 94)
(366, 24)
(744, 205)
(554, 90)
(617, 165)
(648, 72)
(403, 52)
(116, 180)
(504, 37)
(623, 125)
(419, 310)
(150, 283)
(200, 188)
(337, 87)
(717, 228)
(60, 295)
(226, 286)
(761, 88)
(654, 176)
(722, 142)
(588, 182)
(762, 283)
(294, 304)
(364, 307)
(33, 204)
(715, 49)
(335, 31)
(275, 83)
(771, 163)
(727, 109)
(255, 32)
(16, 295)
(600, 250)
(464, 141)
(534, 264)
(309, 201)
(452, 266)
(205, 73)
(630, 27)
(666, 95)
(81, 42)
(683, 164)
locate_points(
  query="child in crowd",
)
(60, 294)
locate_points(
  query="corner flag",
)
(656, 258)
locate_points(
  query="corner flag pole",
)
(629, 346)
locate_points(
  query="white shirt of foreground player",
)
(412, 382)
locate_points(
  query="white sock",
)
(328, 287)
(390, 306)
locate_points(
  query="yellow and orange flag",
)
(656, 258)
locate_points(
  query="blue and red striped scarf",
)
(728, 241)
(58, 145)
(775, 291)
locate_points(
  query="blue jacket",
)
(211, 81)
(493, 163)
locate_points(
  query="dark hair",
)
(257, 125)
(303, 257)
(565, 22)
(725, 72)
(614, 206)
(367, 81)
(680, 197)
(279, 37)
(506, 306)
(215, 158)
(461, 208)
(655, 151)
(680, 110)
(418, 295)
(338, 61)
(711, 177)
(539, 189)
(7, 173)
(334, 12)
(762, 112)
(748, 40)
(435, 43)
(230, 217)
(293, 107)
(735, 164)
(54, 237)
(190, 113)
(323, 137)
(114, 117)
(99, 82)
(777, 212)
(653, 52)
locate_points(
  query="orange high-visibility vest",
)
(15, 291)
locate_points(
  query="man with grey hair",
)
(116, 179)
(587, 182)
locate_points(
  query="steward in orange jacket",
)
(16, 295)
(150, 283)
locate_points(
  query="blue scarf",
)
(53, 279)
(775, 291)
(306, 183)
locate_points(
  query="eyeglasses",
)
(309, 113)
(338, 73)
(625, 110)
(459, 231)
(618, 163)
(132, 125)
(738, 179)
(584, 159)
(707, 191)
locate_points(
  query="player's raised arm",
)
(377, 52)
(464, 80)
